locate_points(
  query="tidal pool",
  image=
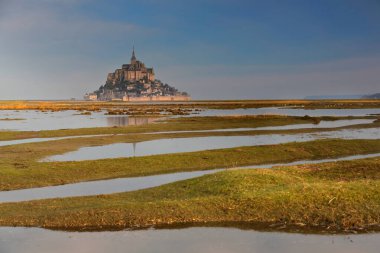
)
(135, 183)
(38, 120)
(178, 145)
(188, 240)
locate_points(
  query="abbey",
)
(135, 71)
(135, 82)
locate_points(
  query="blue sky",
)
(217, 49)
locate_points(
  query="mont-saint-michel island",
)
(134, 82)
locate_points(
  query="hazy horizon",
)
(213, 49)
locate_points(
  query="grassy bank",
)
(19, 166)
(331, 197)
(181, 124)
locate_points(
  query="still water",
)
(30, 120)
(38, 120)
(189, 240)
(177, 145)
(322, 124)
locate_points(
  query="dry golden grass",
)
(167, 106)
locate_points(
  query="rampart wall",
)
(156, 98)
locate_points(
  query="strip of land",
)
(196, 104)
(331, 197)
(186, 124)
(19, 166)
(10, 119)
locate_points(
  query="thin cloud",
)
(47, 22)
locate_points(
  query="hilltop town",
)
(136, 82)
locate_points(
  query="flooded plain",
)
(188, 240)
(196, 239)
(118, 185)
(30, 120)
(39, 120)
(178, 145)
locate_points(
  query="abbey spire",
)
(133, 58)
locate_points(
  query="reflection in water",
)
(38, 120)
(177, 145)
(190, 240)
(130, 121)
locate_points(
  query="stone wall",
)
(157, 98)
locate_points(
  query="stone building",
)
(136, 82)
(135, 71)
(91, 97)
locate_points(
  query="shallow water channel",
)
(134, 183)
(177, 145)
(189, 240)
(322, 124)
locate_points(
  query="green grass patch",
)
(19, 166)
(331, 197)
